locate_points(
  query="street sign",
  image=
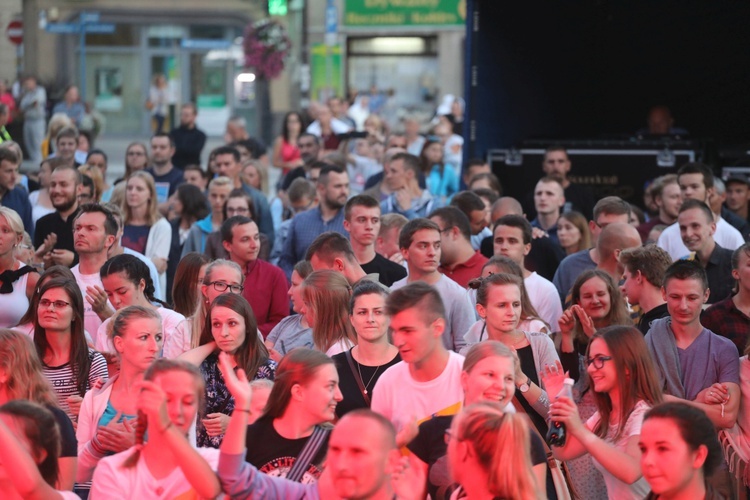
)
(332, 23)
(15, 32)
(89, 17)
(104, 28)
(71, 28)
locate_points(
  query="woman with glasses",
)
(221, 276)
(136, 158)
(190, 206)
(17, 280)
(70, 365)
(230, 327)
(625, 387)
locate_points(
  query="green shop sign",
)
(375, 13)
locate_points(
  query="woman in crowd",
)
(530, 320)
(170, 398)
(499, 304)
(68, 363)
(625, 387)
(26, 323)
(441, 177)
(158, 101)
(360, 367)
(231, 328)
(57, 122)
(573, 232)
(286, 155)
(106, 424)
(255, 175)
(294, 330)
(325, 296)
(97, 159)
(92, 178)
(488, 454)
(189, 206)
(17, 280)
(188, 280)
(29, 451)
(679, 452)
(144, 229)
(304, 396)
(41, 204)
(221, 276)
(136, 159)
(489, 374)
(22, 379)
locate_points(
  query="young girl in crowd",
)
(29, 450)
(221, 276)
(441, 177)
(127, 282)
(625, 387)
(170, 398)
(68, 363)
(489, 375)
(188, 280)
(679, 451)
(106, 423)
(17, 280)
(294, 330)
(21, 378)
(488, 454)
(361, 366)
(230, 327)
(573, 232)
(325, 296)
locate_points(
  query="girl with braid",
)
(170, 398)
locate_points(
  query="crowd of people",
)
(385, 322)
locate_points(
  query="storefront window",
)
(125, 35)
(114, 81)
(165, 36)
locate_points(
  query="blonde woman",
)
(325, 296)
(17, 280)
(145, 230)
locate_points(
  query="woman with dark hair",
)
(230, 327)
(294, 330)
(26, 323)
(625, 388)
(70, 365)
(188, 279)
(441, 177)
(190, 205)
(286, 155)
(573, 232)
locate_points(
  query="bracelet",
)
(162, 431)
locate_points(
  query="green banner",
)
(361, 13)
(327, 79)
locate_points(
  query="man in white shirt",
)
(427, 381)
(697, 183)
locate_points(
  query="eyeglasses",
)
(58, 304)
(136, 153)
(598, 361)
(220, 286)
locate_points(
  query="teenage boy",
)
(642, 276)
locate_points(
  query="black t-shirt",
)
(430, 447)
(528, 367)
(53, 223)
(658, 312)
(68, 441)
(188, 144)
(388, 271)
(544, 257)
(353, 398)
(275, 455)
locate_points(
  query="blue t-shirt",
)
(135, 237)
(110, 413)
(708, 360)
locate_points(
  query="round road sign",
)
(15, 32)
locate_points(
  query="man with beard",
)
(53, 237)
(309, 149)
(188, 139)
(333, 191)
(165, 175)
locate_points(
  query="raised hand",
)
(152, 401)
(553, 377)
(587, 324)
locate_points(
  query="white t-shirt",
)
(180, 340)
(544, 297)
(726, 236)
(169, 321)
(91, 321)
(113, 481)
(400, 398)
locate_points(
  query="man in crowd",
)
(53, 237)
(667, 197)
(642, 276)
(33, 105)
(333, 191)
(265, 284)
(478, 213)
(387, 242)
(458, 259)
(473, 167)
(697, 229)
(549, 200)
(66, 144)
(309, 148)
(301, 196)
(420, 245)
(407, 198)
(188, 139)
(716, 203)
(694, 364)
(331, 250)
(197, 238)
(556, 164)
(730, 317)
(11, 195)
(738, 195)
(613, 239)
(166, 177)
(362, 221)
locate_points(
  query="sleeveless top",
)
(289, 152)
(14, 305)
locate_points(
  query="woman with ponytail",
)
(106, 424)
(170, 398)
(127, 282)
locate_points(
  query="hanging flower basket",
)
(266, 46)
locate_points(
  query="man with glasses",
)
(265, 284)
(458, 259)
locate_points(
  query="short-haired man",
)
(265, 284)
(615, 238)
(166, 177)
(66, 143)
(332, 250)
(188, 139)
(642, 277)
(309, 146)
(94, 232)
(458, 259)
(362, 221)
(407, 198)
(218, 192)
(716, 202)
(475, 166)
(427, 381)
(730, 317)
(694, 364)
(301, 196)
(375, 185)
(667, 197)
(606, 211)
(549, 200)
(512, 239)
(11, 195)
(738, 195)
(478, 213)
(420, 244)
(53, 237)
(333, 191)
(697, 228)
(697, 183)
(386, 243)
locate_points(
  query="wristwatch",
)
(525, 386)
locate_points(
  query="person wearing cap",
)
(738, 195)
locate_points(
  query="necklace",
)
(362, 379)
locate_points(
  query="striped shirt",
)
(64, 381)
